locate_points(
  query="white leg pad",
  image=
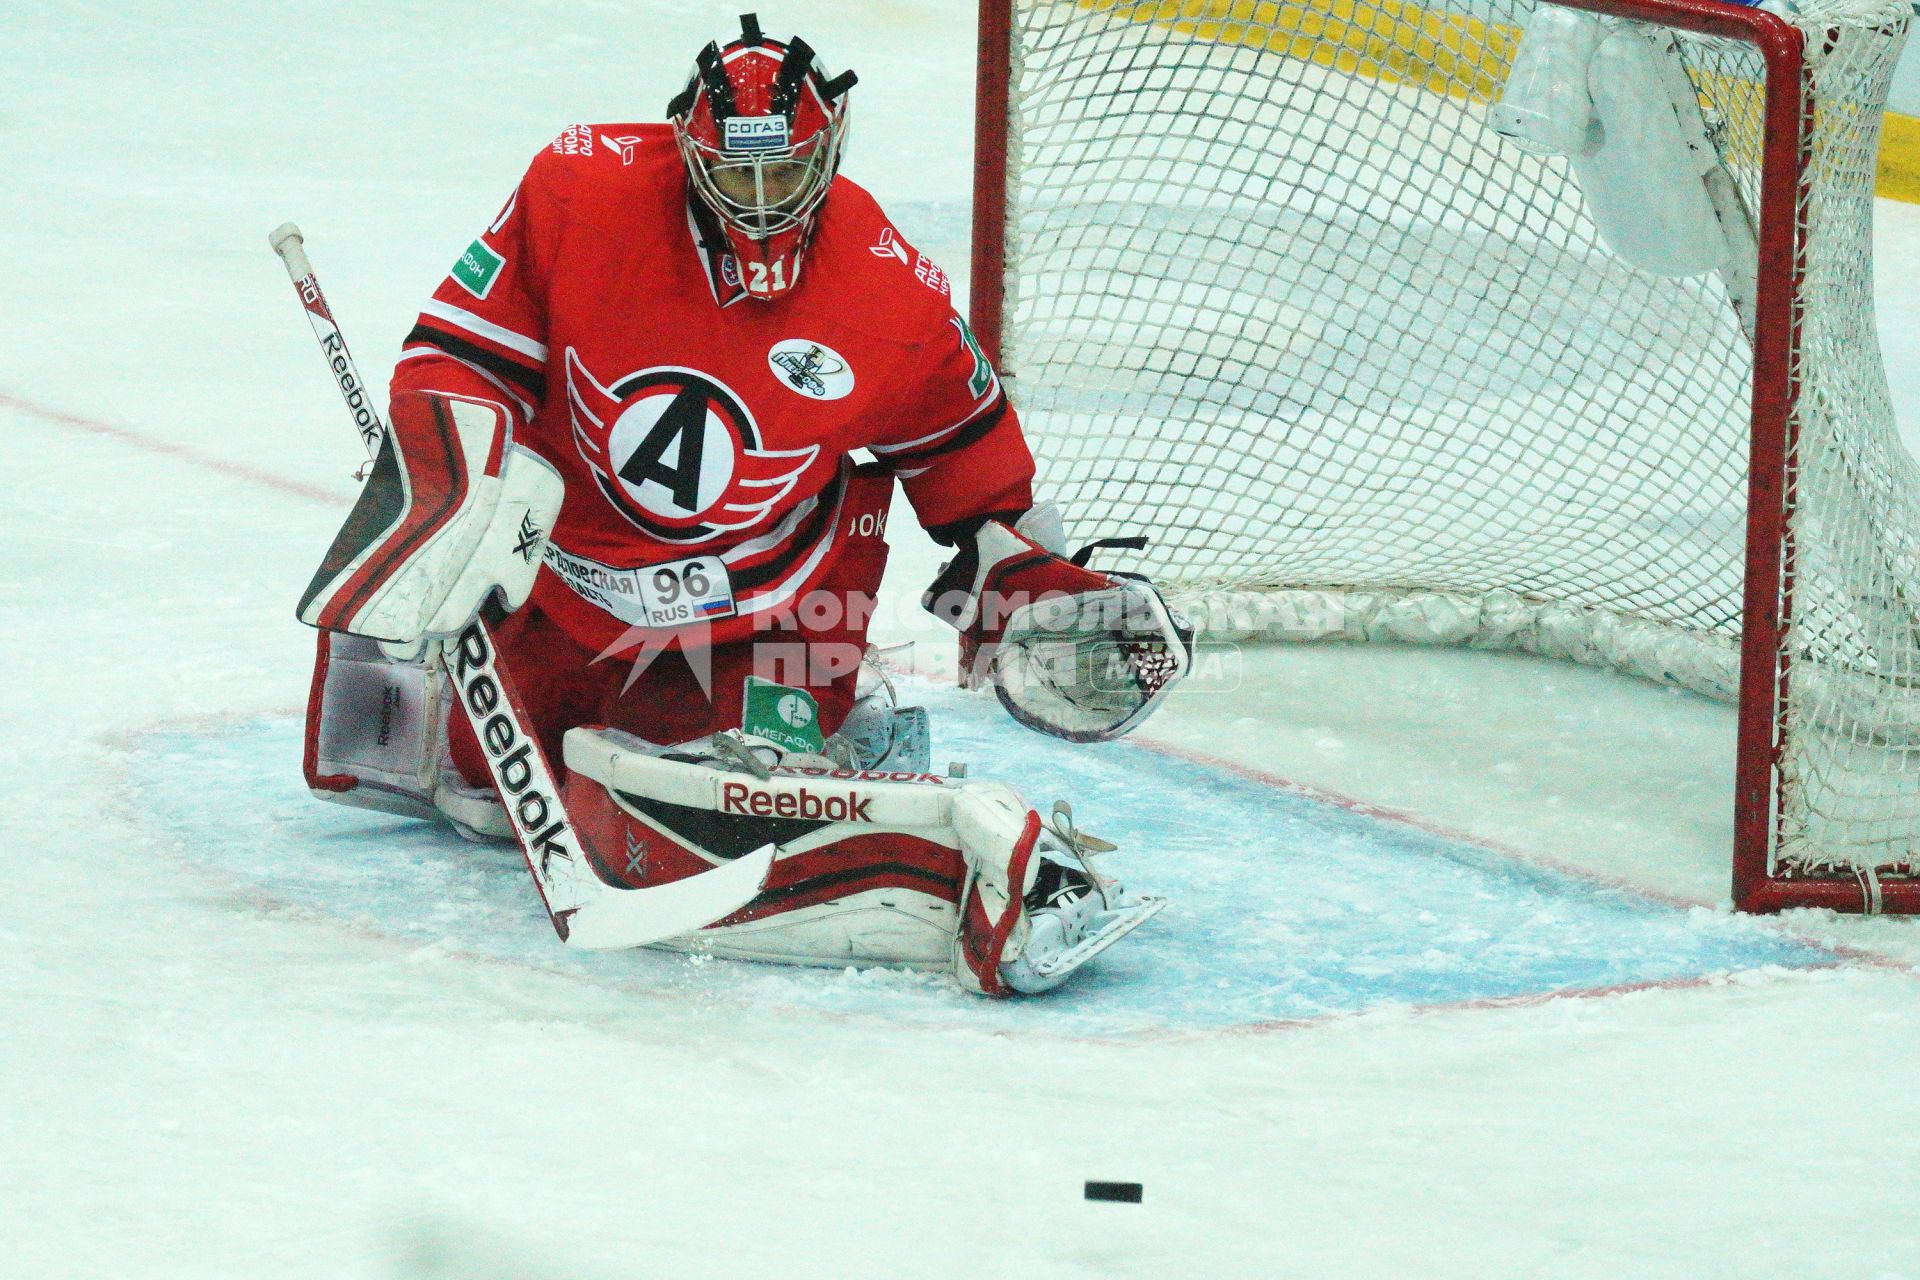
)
(377, 739)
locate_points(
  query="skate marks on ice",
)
(1285, 907)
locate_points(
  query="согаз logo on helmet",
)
(760, 127)
(754, 133)
(677, 453)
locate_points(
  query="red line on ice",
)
(165, 448)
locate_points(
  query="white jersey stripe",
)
(773, 537)
(882, 450)
(416, 353)
(485, 329)
(505, 213)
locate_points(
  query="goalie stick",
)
(585, 910)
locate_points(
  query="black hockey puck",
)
(1120, 1192)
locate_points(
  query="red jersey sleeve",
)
(959, 454)
(483, 333)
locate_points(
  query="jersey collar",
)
(716, 260)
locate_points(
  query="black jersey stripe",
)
(840, 883)
(910, 458)
(532, 381)
(817, 525)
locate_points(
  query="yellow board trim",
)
(1390, 40)
(1899, 158)
(1402, 43)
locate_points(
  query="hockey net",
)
(1270, 291)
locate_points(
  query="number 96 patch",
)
(697, 589)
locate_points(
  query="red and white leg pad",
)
(1001, 835)
(873, 867)
(868, 869)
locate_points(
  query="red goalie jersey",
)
(692, 424)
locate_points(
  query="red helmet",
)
(760, 127)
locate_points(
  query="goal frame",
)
(1767, 602)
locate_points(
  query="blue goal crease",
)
(1286, 907)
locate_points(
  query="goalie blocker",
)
(452, 512)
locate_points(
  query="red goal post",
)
(1241, 220)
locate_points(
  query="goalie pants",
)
(681, 694)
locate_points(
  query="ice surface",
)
(1286, 906)
(205, 1078)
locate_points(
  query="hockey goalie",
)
(623, 427)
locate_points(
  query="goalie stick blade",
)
(1114, 925)
(615, 919)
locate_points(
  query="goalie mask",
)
(760, 127)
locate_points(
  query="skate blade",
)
(1113, 926)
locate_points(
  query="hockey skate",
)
(1066, 913)
(1075, 913)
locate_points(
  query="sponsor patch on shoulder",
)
(924, 268)
(931, 275)
(574, 140)
(981, 380)
(477, 269)
(754, 133)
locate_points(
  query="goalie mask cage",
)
(1269, 291)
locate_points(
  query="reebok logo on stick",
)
(521, 774)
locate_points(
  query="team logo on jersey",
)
(814, 370)
(676, 452)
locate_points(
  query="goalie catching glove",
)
(1070, 651)
(452, 513)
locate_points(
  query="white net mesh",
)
(1360, 368)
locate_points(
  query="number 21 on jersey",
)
(758, 275)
